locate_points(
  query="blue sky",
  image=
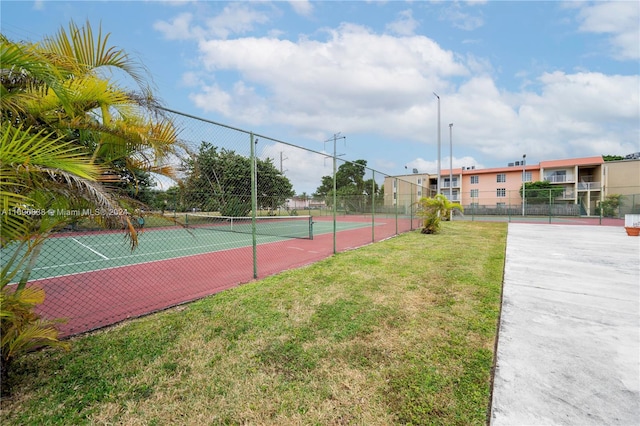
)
(550, 79)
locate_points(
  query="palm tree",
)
(40, 173)
(433, 210)
(61, 84)
(66, 129)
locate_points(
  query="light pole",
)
(438, 182)
(524, 173)
(450, 161)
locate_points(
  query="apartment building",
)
(496, 187)
(580, 179)
(580, 185)
(404, 191)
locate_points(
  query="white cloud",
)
(190, 79)
(431, 167)
(302, 7)
(304, 168)
(235, 19)
(350, 78)
(462, 20)
(213, 99)
(404, 25)
(180, 28)
(620, 20)
(365, 83)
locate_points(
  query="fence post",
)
(600, 209)
(397, 199)
(373, 206)
(335, 197)
(254, 203)
(411, 190)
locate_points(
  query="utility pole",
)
(438, 182)
(281, 161)
(451, 162)
(524, 178)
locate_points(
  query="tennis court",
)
(95, 251)
(93, 279)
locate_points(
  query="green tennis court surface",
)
(76, 253)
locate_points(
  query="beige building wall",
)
(622, 177)
(405, 190)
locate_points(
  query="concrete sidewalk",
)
(569, 339)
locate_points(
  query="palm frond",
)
(87, 52)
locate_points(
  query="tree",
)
(612, 157)
(540, 192)
(354, 193)
(60, 85)
(41, 175)
(325, 189)
(351, 174)
(220, 180)
(610, 205)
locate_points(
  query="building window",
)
(501, 192)
(475, 179)
(474, 193)
(501, 177)
(527, 177)
(501, 205)
(419, 181)
(419, 193)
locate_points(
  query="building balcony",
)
(589, 186)
(567, 195)
(559, 179)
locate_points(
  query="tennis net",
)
(276, 226)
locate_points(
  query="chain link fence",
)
(246, 206)
(552, 205)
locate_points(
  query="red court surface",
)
(96, 299)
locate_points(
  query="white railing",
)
(558, 178)
(588, 186)
(567, 195)
(446, 184)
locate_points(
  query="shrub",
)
(22, 329)
(433, 210)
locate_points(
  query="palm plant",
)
(66, 129)
(433, 211)
(73, 97)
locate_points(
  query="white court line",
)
(89, 248)
(131, 256)
(132, 264)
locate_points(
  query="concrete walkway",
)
(569, 340)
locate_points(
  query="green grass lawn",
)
(398, 332)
